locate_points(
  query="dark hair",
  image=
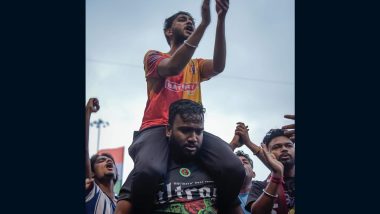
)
(169, 21)
(187, 109)
(273, 133)
(95, 157)
(242, 154)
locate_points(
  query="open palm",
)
(274, 165)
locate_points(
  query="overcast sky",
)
(256, 87)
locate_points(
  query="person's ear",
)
(169, 32)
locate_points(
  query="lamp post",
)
(99, 124)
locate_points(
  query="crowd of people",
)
(178, 166)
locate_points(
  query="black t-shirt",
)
(289, 190)
(187, 189)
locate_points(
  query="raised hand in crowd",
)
(241, 137)
(221, 7)
(290, 129)
(91, 107)
(89, 182)
(101, 173)
(275, 166)
(237, 140)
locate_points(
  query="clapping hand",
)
(221, 7)
(272, 163)
(290, 130)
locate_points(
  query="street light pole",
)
(99, 124)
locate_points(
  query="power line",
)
(222, 76)
(114, 63)
(256, 80)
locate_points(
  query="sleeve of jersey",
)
(200, 63)
(254, 194)
(151, 60)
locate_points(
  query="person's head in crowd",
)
(185, 128)
(179, 26)
(281, 146)
(103, 167)
(248, 166)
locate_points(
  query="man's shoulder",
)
(154, 52)
(96, 189)
(199, 61)
(152, 56)
(92, 191)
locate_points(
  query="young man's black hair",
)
(95, 157)
(169, 21)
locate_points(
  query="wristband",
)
(276, 180)
(190, 45)
(270, 195)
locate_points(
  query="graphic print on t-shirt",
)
(187, 189)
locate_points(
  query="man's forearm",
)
(219, 59)
(183, 54)
(216, 65)
(257, 150)
(87, 157)
(233, 146)
(264, 204)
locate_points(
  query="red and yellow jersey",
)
(162, 91)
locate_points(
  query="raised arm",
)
(174, 65)
(216, 65)
(242, 131)
(290, 130)
(235, 142)
(264, 204)
(92, 106)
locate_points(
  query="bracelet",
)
(276, 180)
(270, 195)
(190, 45)
(258, 151)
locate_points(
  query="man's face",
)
(182, 27)
(186, 136)
(249, 173)
(283, 149)
(104, 167)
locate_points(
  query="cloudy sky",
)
(256, 87)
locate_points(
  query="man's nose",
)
(192, 137)
(284, 149)
(188, 21)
